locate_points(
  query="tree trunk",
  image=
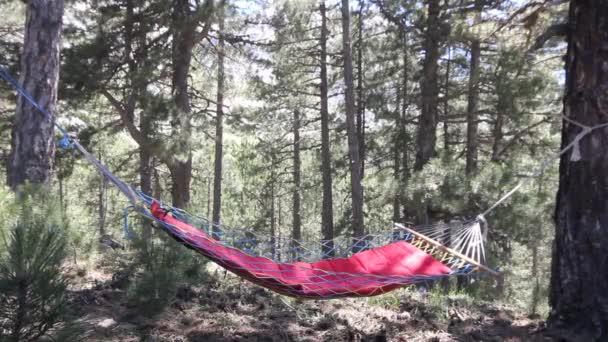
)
(473, 98)
(279, 225)
(158, 188)
(405, 171)
(327, 211)
(427, 136)
(360, 91)
(397, 159)
(208, 181)
(579, 290)
(103, 200)
(146, 160)
(296, 233)
(446, 106)
(273, 224)
(400, 157)
(145, 125)
(185, 35)
(32, 145)
(353, 143)
(145, 178)
(219, 130)
(131, 62)
(181, 175)
(497, 133)
(184, 39)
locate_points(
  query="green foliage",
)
(33, 286)
(390, 301)
(162, 266)
(419, 300)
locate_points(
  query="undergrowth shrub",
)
(33, 288)
(163, 266)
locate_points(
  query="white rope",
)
(547, 162)
(120, 185)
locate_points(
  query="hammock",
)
(367, 273)
(372, 265)
(410, 258)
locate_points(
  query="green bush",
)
(164, 265)
(32, 285)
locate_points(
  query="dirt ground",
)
(226, 309)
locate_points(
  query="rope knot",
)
(65, 142)
(576, 149)
(576, 152)
(588, 129)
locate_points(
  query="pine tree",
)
(219, 126)
(354, 156)
(33, 146)
(579, 293)
(327, 209)
(32, 286)
(426, 137)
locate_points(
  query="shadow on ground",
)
(233, 310)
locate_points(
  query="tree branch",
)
(124, 116)
(557, 30)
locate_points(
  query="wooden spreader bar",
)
(447, 249)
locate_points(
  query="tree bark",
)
(405, 166)
(184, 39)
(327, 212)
(360, 90)
(32, 144)
(579, 290)
(397, 159)
(497, 130)
(136, 85)
(427, 136)
(145, 175)
(472, 143)
(181, 176)
(219, 129)
(353, 143)
(273, 223)
(401, 155)
(296, 233)
(446, 106)
(131, 62)
(103, 200)
(185, 36)
(279, 236)
(473, 98)
(208, 181)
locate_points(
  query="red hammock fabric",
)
(368, 273)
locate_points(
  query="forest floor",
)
(223, 308)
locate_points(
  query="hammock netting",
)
(345, 267)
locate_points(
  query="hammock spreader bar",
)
(368, 273)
